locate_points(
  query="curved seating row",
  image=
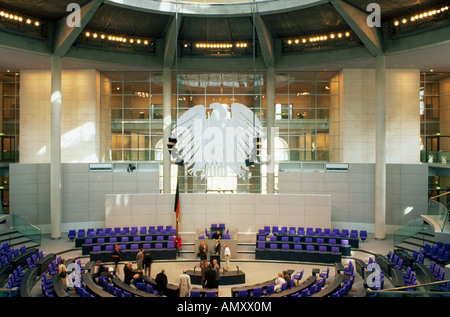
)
(362, 234)
(91, 232)
(309, 254)
(87, 248)
(344, 249)
(439, 252)
(80, 241)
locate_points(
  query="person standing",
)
(227, 253)
(62, 272)
(129, 273)
(148, 260)
(140, 260)
(117, 257)
(210, 277)
(203, 268)
(203, 251)
(217, 247)
(161, 282)
(216, 267)
(185, 284)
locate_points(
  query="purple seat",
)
(88, 241)
(261, 238)
(273, 245)
(335, 249)
(308, 240)
(296, 239)
(261, 245)
(285, 246)
(284, 239)
(226, 237)
(101, 240)
(148, 238)
(113, 239)
(134, 246)
(158, 245)
(171, 244)
(159, 238)
(332, 241)
(109, 247)
(322, 248)
(96, 248)
(297, 246)
(310, 248)
(146, 246)
(125, 239)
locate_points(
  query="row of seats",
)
(362, 234)
(308, 247)
(439, 252)
(9, 253)
(313, 289)
(133, 246)
(437, 270)
(14, 281)
(91, 232)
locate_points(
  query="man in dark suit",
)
(217, 247)
(161, 282)
(129, 273)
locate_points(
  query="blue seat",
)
(210, 294)
(325, 274)
(270, 289)
(72, 234)
(195, 293)
(298, 276)
(256, 292)
(363, 235)
(242, 293)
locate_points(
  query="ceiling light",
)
(36, 23)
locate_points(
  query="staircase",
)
(16, 240)
(417, 241)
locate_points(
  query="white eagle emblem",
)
(218, 143)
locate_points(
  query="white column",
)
(167, 126)
(55, 154)
(270, 124)
(380, 156)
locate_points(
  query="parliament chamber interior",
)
(251, 149)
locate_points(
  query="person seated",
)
(217, 235)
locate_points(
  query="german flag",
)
(177, 206)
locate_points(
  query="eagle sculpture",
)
(218, 143)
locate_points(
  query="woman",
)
(62, 272)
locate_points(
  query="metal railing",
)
(412, 290)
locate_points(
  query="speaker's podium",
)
(226, 277)
(213, 257)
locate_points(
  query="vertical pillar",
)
(380, 156)
(167, 126)
(55, 152)
(270, 123)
